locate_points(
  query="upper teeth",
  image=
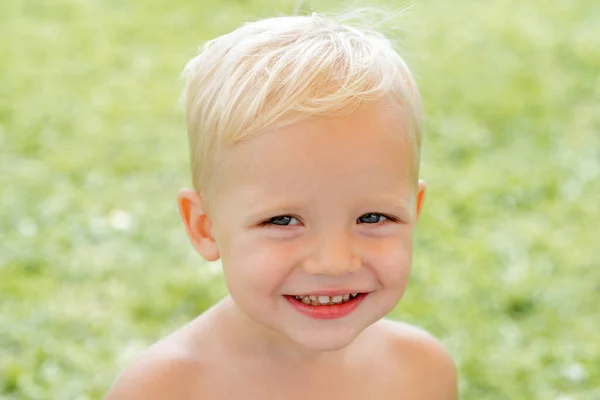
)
(322, 300)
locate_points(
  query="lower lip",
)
(333, 311)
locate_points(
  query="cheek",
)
(256, 264)
(391, 259)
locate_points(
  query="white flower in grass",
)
(574, 372)
(120, 220)
(28, 227)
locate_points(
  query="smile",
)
(326, 300)
(326, 307)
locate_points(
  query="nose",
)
(332, 255)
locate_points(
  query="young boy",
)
(305, 138)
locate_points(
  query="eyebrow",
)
(404, 207)
(392, 198)
(265, 212)
(259, 209)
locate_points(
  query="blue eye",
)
(371, 218)
(284, 220)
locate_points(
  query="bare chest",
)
(290, 385)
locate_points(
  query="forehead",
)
(367, 151)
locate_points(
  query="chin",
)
(324, 340)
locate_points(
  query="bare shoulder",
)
(159, 373)
(169, 369)
(420, 358)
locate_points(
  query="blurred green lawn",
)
(94, 263)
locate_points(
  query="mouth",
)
(314, 300)
(326, 307)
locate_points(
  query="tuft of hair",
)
(277, 71)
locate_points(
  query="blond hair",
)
(278, 71)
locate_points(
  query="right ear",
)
(197, 224)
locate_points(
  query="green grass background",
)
(94, 262)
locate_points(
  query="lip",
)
(334, 311)
(330, 292)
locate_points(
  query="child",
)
(305, 139)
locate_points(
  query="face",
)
(323, 208)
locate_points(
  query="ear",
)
(197, 224)
(420, 197)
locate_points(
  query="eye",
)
(283, 220)
(371, 218)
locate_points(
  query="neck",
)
(250, 338)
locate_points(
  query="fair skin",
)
(321, 207)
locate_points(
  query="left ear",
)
(421, 188)
(197, 224)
